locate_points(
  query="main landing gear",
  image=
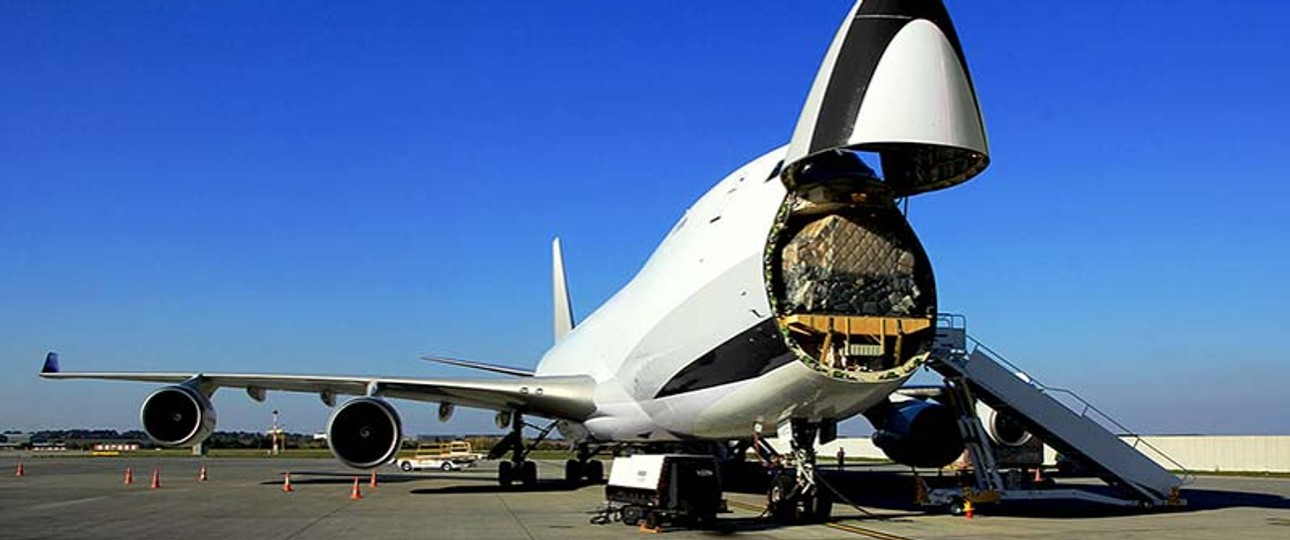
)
(519, 468)
(794, 495)
(584, 468)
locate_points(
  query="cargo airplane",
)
(790, 296)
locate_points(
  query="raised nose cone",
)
(895, 82)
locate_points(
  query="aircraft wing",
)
(568, 398)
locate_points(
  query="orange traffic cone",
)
(373, 482)
(967, 509)
(201, 475)
(22, 471)
(356, 493)
(156, 479)
(129, 476)
(286, 483)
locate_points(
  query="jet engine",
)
(177, 416)
(1003, 429)
(916, 433)
(364, 433)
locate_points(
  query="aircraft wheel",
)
(528, 473)
(782, 498)
(573, 471)
(778, 498)
(820, 507)
(446, 467)
(505, 473)
(406, 466)
(595, 471)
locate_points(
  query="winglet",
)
(562, 312)
(51, 363)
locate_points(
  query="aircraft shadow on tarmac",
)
(304, 478)
(1213, 499)
(491, 486)
(1198, 500)
(883, 494)
(894, 491)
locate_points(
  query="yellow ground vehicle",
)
(445, 456)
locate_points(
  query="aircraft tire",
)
(528, 473)
(573, 471)
(595, 471)
(505, 473)
(780, 500)
(406, 466)
(820, 507)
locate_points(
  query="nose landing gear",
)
(794, 494)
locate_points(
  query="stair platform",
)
(979, 373)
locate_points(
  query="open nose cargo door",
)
(851, 286)
(895, 82)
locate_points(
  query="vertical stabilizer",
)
(563, 314)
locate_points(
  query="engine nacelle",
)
(365, 433)
(1002, 428)
(177, 416)
(917, 433)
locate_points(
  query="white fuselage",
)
(703, 286)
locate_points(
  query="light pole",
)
(274, 434)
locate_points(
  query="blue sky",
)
(319, 187)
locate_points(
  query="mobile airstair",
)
(1061, 419)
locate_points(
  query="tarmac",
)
(84, 497)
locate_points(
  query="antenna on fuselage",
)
(562, 312)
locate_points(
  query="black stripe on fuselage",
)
(752, 353)
(874, 25)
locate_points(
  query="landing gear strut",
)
(794, 494)
(519, 468)
(575, 470)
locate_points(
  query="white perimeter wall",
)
(1198, 453)
(1210, 453)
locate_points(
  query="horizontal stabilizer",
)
(505, 370)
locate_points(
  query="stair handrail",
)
(1187, 476)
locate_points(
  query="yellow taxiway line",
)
(832, 524)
